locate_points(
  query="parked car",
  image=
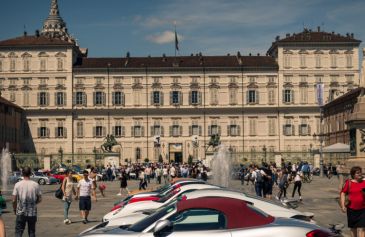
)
(60, 175)
(14, 177)
(162, 199)
(212, 216)
(42, 178)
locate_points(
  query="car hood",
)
(279, 221)
(111, 230)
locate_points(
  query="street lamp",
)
(264, 149)
(321, 138)
(95, 151)
(60, 151)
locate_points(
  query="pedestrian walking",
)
(85, 189)
(123, 183)
(26, 196)
(355, 208)
(158, 173)
(68, 190)
(297, 184)
(142, 180)
(283, 184)
(165, 173)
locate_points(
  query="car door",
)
(199, 222)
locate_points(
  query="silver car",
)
(212, 216)
(43, 179)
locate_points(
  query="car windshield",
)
(277, 203)
(38, 174)
(149, 220)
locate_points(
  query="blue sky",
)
(214, 27)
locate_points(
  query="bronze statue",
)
(214, 141)
(109, 142)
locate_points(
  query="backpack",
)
(259, 177)
(2, 203)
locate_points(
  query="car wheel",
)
(42, 182)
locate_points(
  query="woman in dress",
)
(123, 183)
(355, 208)
(68, 190)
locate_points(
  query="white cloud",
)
(164, 37)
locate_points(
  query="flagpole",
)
(175, 39)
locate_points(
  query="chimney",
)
(249, 54)
(228, 54)
(37, 33)
(352, 35)
(128, 55)
(318, 29)
(164, 59)
(287, 35)
(258, 54)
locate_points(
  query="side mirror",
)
(162, 226)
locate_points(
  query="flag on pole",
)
(176, 42)
(320, 91)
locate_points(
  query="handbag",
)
(347, 200)
(59, 193)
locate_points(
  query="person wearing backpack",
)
(68, 191)
(258, 174)
(283, 183)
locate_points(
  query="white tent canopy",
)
(337, 148)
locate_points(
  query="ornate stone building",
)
(254, 102)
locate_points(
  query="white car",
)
(164, 198)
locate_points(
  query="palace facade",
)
(254, 102)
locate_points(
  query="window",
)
(252, 126)
(333, 60)
(304, 130)
(303, 95)
(175, 130)
(318, 61)
(302, 60)
(43, 64)
(60, 132)
(118, 131)
(43, 98)
(156, 98)
(156, 130)
(26, 62)
(214, 96)
(175, 97)
(99, 131)
(214, 129)
(12, 65)
(99, 98)
(80, 129)
(195, 130)
(138, 131)
(12, 96)
(288, 96)
(233, 130)
(60, 98)
(195, 97)
(117, 98)
(80, 98)
(271, 96)
(272, 126)
(198, 219)
(43, 131)
(287, 60)
(349, 60)
(252, 97)
(137, 97)
(288, 128)
(233, 96)
(25, 98)
(59, 64)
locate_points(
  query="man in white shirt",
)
(85, 189)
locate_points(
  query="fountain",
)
(5, 168)
(221, 166)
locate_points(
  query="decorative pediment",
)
(42, 87)
(26, 88)
(303, 84)
(156, 85)
(318, 51)
(117, 86)
(12, 55)
(26, 55)
(334, 84)
(286, 51)
(60, 54)
(333, 51)
(60, 87)
(302, 51)
(43, 54)
(232, 85)
(271, 85)
(214, 85)
(12, 88)
(194, 85)
(252, 85)
(349, 51)
(99, 87)
(137, 86)
(288, 85)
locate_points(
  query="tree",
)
(190, 159)
(160, 159)
(146, 160)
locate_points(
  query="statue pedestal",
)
(111, 160)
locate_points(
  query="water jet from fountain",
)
(221, 166)
(5, 168)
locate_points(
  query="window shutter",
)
(190, 102)
(104, 131)
(228, 130)
(74, 98)
(123, 131)
(292, 97)
(190, 130)
(113, 98)
(209, 131)
(47, 129)
(181, 130)
(152, 131)
(247, 97)
(200, 98)
(151, 98)
(170, 131)
(180, 98)
(94, 95)
(104, 98)
(200, 130)
(219, 130)
(55, 99)
(238, 130)
(132, 131)
(64, 132)
(257, 94)
(113, 130)
(142, 131)
(64, 98)
(38, 132)
(161, 98)
(300, 130)
(162, 131)
(56, 132)
(293, 130)
(308, 129)
(84, 99)
(283, 96)
(284, 130)
(47, 98)
(94, 131)
(123, 99)
(171, 99)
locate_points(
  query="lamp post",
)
(264, 149)
(320, 136)
(94, 151)
(60, 152)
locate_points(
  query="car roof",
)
(238, 214)
(214, 192)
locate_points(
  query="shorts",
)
(356, 218)
(85, 203)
